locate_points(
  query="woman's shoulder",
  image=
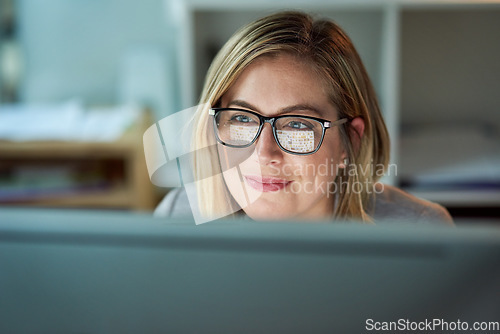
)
(393, 204)
(390, 204)
(174, 204)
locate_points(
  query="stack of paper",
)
(68, 121)
(450, 155)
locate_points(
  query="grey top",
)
(391, 205)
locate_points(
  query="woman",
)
(297, 129)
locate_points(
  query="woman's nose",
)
(266, 147)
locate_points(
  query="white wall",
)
(451, 66)
(73, 48)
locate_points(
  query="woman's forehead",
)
(279, 83)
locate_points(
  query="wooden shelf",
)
(133, 191)
(109, 198)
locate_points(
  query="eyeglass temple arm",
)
(337, 122)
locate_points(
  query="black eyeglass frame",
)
(325, 124)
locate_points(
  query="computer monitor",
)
(95, 272)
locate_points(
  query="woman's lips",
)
(266, 184)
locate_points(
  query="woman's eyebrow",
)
(286, 110)
(297, 107)
(243, 104)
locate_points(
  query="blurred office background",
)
(81, 80)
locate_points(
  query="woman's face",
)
(271, 183)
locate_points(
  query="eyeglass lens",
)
(295, 134)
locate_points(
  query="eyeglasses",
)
(294, 134)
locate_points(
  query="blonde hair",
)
(325, 45)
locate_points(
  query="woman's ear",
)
(356, 131)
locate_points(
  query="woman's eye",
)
(299, 125)
(241, 119)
